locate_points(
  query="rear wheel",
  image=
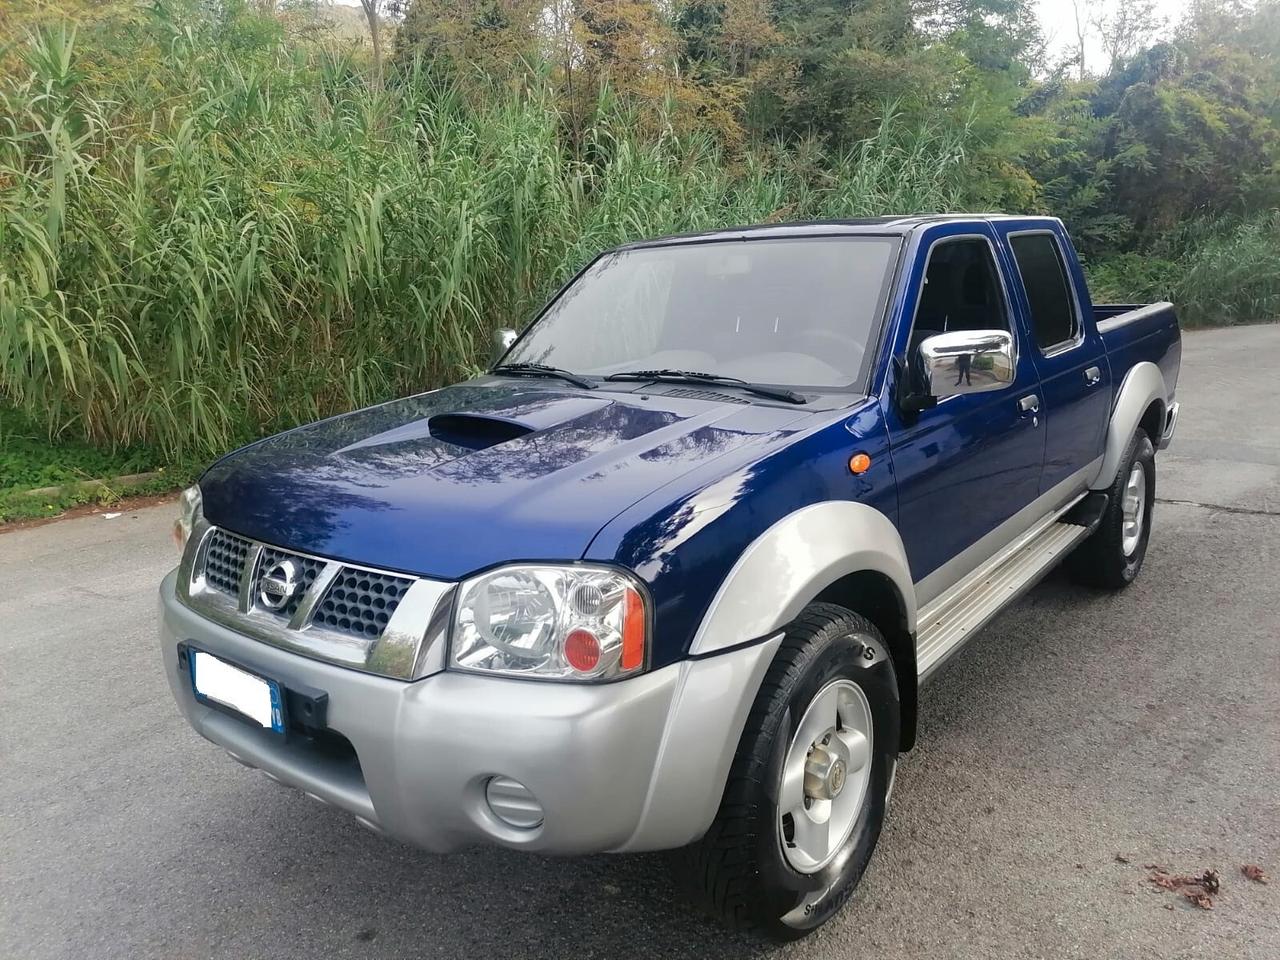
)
(1112, 555)
(807, 792)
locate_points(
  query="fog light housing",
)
(513, 803)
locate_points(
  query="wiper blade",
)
(543, 370)
(694, 376)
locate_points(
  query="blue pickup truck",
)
(672, 573)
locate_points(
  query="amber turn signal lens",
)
(859, 463)
(632, 631)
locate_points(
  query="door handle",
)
(1092, 376)
(1029, 406)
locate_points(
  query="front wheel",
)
(1112, 555)
(809, 784)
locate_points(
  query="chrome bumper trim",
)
(1170, 425)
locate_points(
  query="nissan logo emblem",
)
(279, 584)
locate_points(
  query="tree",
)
(1079, 8)
(373, 13)
(1125, 26)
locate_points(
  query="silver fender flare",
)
(775, 578)
(1142, 385)
(793, 561)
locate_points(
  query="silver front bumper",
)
(634, 765)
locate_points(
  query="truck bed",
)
(1134, 332)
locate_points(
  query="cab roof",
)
(868, 226)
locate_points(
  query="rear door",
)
(1068, 353)
(968, 466)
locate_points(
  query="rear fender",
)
(1143, 385)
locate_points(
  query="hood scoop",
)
(508, 417)
(475, 431)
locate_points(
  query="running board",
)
(950, 620)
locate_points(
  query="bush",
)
(1132, 278)
(1216, 273)
(1234, 276)
(206, 233)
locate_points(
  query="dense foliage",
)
(213, 222)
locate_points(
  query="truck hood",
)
(459, 479)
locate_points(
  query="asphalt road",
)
(1079, 726)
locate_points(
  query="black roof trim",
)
(868, 226)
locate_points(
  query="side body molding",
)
(1143, 385)
(793, 561)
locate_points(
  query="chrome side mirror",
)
(966, 361)
(502, 341)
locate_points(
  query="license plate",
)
(255, 698)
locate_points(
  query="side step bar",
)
(954, 617)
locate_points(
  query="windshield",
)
(800, 312)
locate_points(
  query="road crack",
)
(1246, 511)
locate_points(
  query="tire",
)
(739, 871)
(1112, 555)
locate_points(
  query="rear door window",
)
(1044, 277)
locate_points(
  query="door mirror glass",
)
(966, 361)
(502, 341)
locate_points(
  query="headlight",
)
(553, 623)
(189, 508)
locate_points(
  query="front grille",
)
(360, 603)
(337, 613)
(224, 560)
(357, 603)
(310, 567)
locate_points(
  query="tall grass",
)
(1233, 275)
(224, 234)
(1217, 273)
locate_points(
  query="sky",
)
(1058, 21)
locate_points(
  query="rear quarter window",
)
(1044, 277)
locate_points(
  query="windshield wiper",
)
(543, 370)
(693, 376)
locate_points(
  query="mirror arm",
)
(910, 399)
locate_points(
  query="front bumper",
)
(635, 765)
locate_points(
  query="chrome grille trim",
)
(311, 599)
(248, 574)
(409, 646)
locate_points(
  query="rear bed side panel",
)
(1147, 333)
(1145, 349)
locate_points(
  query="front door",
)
(967, 466)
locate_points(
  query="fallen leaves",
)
(1201, 900)
(1197, 889)
(1254, 873)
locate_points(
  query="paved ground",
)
(1080, 726)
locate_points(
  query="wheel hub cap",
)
(825, 775)
(1133, 508)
